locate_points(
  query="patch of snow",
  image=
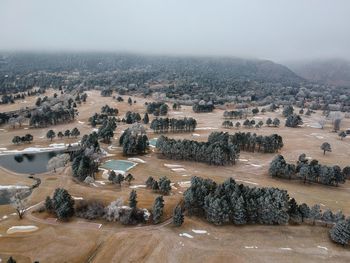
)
(319, 137)
(184, 183)
(185, 235)
(2, 187)
(4, 217)
(325, 248)
(101, 182)
(196, 135)
(206, 128)
(41, 137)
(26, 128)
(95, 130)
(77, 198)
(248, 182)
(322, 204)
(197, 231)
(185, 175)
(250, 247)
(21, 229)
(3, 149)
(177, 112)
(243, 160)
(180, 192)
(178, 170)
(95, 185)
(173, 165)
(137, 160)
(255, 165)
(137, 186)
(285, 248)
(81, 122)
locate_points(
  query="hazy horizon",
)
(276, 30)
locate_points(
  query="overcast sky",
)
(271, 29)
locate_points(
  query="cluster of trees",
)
(132, 117)
(47, 115)
(275, 122)
(230, 202)
(85, 163)
(163, 185)
(173, 125)
(247, 124)
(97, 119)
(109, 110)
(235, 114)
(61, 204)
(203, 106)
(157, 108)
(106, 130)
(308, 171)
(119, 178)
(247, 141)
(216, 151)
(134, 140)
(51, 134)
(294, 121)
(28, 138)
(106, 92)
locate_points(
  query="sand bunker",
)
(21, 229)
(137, 160)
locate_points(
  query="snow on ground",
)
(8, 187)
(81, 122)
(52, 147)
(196, 135)
(185, 235)
(185, 175)
(41, 137)
(325, 248)
(137, 160)
(26, 128)
(173, 165)
(3, 130)
(4, 217)
(250, 247)
(21, 229)
(184, 184)
(101, 182)
(255, 165)
(112, 147)
(77, 198)
(285, 248)
(248, 182)
(95, 130)
(243, 160)
(197, 231)
(137, 186)
(95, 185)
(3, 149)
(206, 128)
(178, 170)
(177, 112)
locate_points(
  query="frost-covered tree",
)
(157, 210)
(178, 217)
(340, 233)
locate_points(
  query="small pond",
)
(27, 163)
(119, 165)
(153, 142)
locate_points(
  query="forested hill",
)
(194, 68)
(331, 71)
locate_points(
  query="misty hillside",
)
(332, 71)
(186, 67)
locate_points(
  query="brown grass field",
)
(75, 241)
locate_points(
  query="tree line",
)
(213, 152)
(308, 171)
(28, 138)
(134, 140)
(203, 107)
(173, 125)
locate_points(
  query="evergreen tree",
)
(326, 147)
(146, 118)
(268, 122)
(340, 233)
(149, 182)
(178, 217)
(63, 204)
(239, 212)
(50, 134)
(157, 210)
(133, 199)
(129, 178)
